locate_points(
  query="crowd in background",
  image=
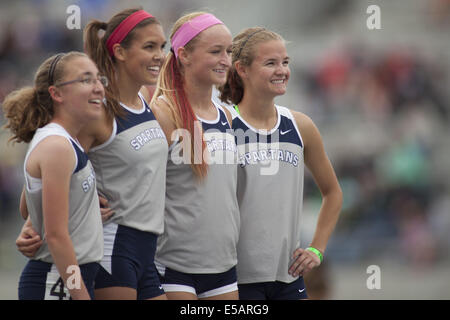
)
(396, 199)
(384, 114)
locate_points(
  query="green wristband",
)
(317, 252)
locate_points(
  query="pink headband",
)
(124, 28)
(192, 28)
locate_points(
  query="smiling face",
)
(210, 57)
(143, 59)
(82, 100)
(269, 72)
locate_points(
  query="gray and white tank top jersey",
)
(131, 170)
(85, 225)
(202, 217)
(270, 195)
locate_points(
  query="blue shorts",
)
(41, 281)
(128, 261)
(203, 285)
(274, 290)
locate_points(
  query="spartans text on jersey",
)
(264, 155)
(145, 137)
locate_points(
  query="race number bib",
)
(55, 288)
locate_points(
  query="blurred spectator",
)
(440, 10)
(384, 110)
(416, 241)
(398, 91)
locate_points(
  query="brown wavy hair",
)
(95, 47)
(243, 50)
(30, 108)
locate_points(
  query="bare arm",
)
(28, 241)
(95, 133)
(162, 113)
(323, 173)
(23, 205)
(229, 116)
(56, 174)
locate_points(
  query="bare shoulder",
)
(163, 115)
(303, 121)
(160, 104)
(308, 130)
(96, 132)
(53, 144)
(228, 114)
(55, 152)
(161, 110)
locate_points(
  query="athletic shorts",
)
(274, 290)
(41, 281)
(128, 261)
(203, 285)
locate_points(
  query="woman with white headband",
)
(196, 254)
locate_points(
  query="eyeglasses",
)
(88, 80)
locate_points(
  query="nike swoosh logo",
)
(224, 123)
(301, 290)
(284, 132)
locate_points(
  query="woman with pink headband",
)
(196, 255)
(128, 150)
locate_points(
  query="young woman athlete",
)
(196, 254)
(60, 196)
(128, 150)
(274, 143)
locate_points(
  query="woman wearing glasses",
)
(128, 150)
(60, 188)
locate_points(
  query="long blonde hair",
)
(171, 85)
